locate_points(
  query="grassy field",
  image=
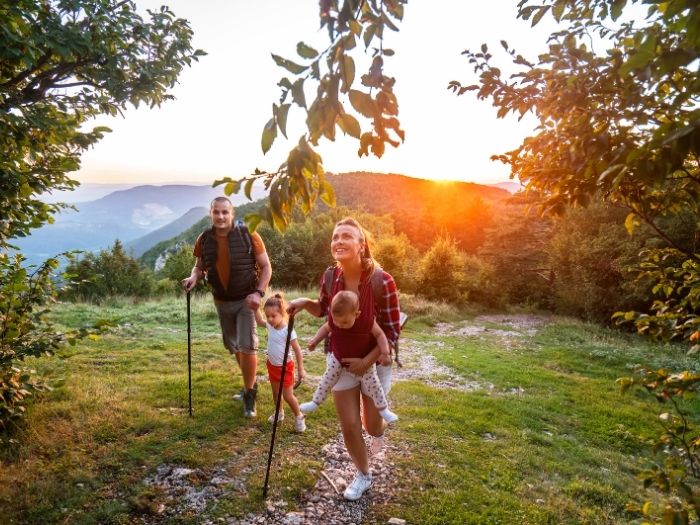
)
(549, 439)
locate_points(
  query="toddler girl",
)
(344, 311)
(276, 314)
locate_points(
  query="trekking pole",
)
(278, 402)
(189, 352)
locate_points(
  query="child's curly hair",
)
(277, 300)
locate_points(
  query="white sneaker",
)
(376, 445)
(388, 416)
(358, 486)
(308, 407)
(299, 424)
(271, 419)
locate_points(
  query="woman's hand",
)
(297, 305)
(356, 365)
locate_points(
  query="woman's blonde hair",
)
(277, 300)
(367, 262)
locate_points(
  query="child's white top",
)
(275, 343)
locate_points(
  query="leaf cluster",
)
(677, 473)
(300, 180)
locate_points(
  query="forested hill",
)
(420, 208)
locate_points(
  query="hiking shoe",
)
(299, 424)
(358, 486)
(308, 407)
(271, 419)
(239, 396)
(388, 416)
(376, 445)
(249, 402)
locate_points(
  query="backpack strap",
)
(377, 282)
(243, 232)
(328, 279)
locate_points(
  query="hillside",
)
(140, 245)
(422, 209)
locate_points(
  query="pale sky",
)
(213, 128)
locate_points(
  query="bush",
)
(25, 331)
(441, 274)
(111, 272)
(396, 255)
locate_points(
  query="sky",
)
(213, 128)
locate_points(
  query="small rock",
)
(396, 521)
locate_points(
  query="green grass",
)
(563, 450)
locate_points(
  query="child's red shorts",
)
(275, 373)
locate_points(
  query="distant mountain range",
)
(147, 218)
(126, 214)
(422, 209)
(138, 246)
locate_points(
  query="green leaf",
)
(268, 135)
(289, 65)
(298, 96)
(327, 193)
(349, 125)
(641, 58)
(232, 187)
(281, 117)
(348, 70)
(248, 188)
(252, 220)
(305, 51)
(539, 15)
(631, 222)
(616, 9)
(363, 103)
(558, 9)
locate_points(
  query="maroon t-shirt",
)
(358, 340)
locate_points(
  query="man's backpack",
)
(377, 283)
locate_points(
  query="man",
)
(238, 269)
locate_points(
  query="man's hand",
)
(189, 283)
(253, 300)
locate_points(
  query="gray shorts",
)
(238, 326)
(349, 380)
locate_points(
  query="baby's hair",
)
(276, 300)
(344, 302)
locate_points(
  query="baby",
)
(345, 310)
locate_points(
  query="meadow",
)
(505, 418)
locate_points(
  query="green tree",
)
(441, 272)
(177, 266)
(590, 253)
(62, 63)
(623, 122)
(109, 273)
(397, 256)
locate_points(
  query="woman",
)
(354, 268)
